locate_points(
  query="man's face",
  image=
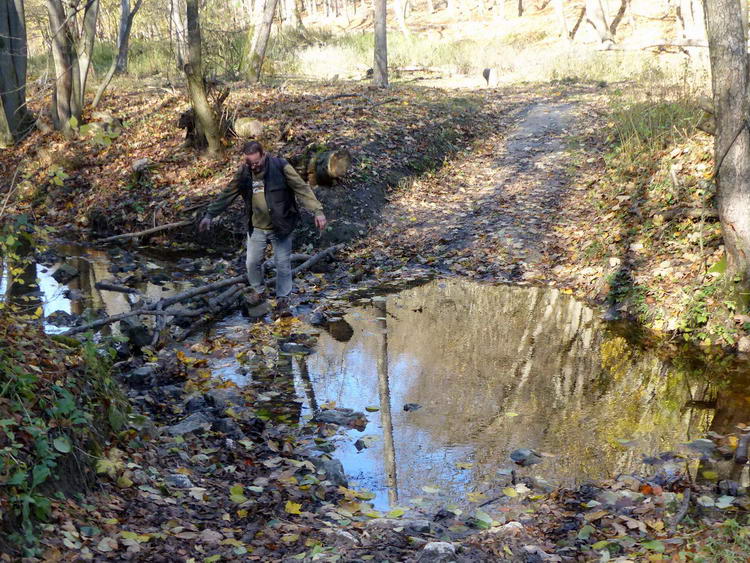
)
(255, 161)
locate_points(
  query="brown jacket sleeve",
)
(303, 191)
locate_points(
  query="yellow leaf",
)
(123, 482)
(510, 492)
(476, 497)
(292, 507)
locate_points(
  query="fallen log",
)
(320, 165)
(160, 307)
(150, 231)
(106, 286)
(329, 166)
(225, 302)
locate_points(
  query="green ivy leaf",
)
(17, 478)
(39, 475)
(62, 444)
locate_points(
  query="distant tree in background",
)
(72, 32)
(120, 60)
(727, 38)
(596, 16)
(380, 68)
(178, 31)
(13, 54)
(260, 40)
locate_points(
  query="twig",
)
(149, 231)
(683, 510)
(388, 101)
(159, 325)
(106, 286)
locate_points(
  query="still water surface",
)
(492, 369)
(496, 368)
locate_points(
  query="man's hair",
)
(252, 147)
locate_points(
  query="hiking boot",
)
(282, 308)
(253, 298)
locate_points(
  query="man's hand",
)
(205, 224)
(321, 222)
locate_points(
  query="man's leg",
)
(282, 255)
(256, 250)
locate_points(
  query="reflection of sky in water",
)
(51, 293)
(93, 266)
(351, 381)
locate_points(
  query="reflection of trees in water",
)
(498, 368)
(498, 352)
(384, 394)
(504, 367)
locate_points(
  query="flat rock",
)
(437, 552)
(525, 457)
(224, 398)
(64, 273)
(193, 423)
(342, 417)
(333, 469)
(139, 377)
(339, 537)
(61, 318)
(228, 427)
(179, 481)
(195, 403)
(410, 526)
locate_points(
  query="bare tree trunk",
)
(501, 9)
(123, 36)
(178, 34)
(597, 17)
(13, 53)
(560, 11)
(204, 117)
(126, 23)
(260, 41)
(85, 47)
(62, 56)
(400, 9)
(729, 68)
(380, 68)
(386, 418)
(520, 8)
(692, 17)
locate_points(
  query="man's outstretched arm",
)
(223, 200)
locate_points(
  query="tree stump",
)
(490, 75)
(325, 167)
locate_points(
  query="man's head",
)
(254, 155)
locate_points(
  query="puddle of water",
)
(496, 368)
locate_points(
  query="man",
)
(268, 185)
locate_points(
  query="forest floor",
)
(497, 185)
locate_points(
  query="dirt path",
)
(489, 213)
